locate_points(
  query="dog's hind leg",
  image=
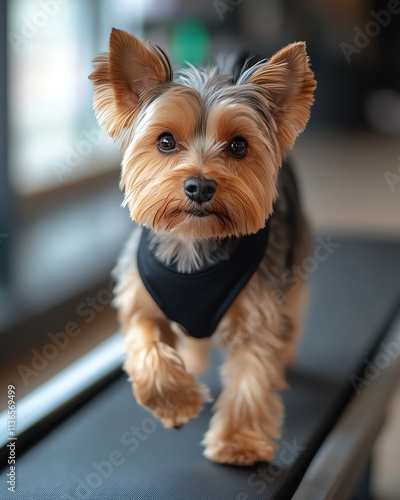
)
(195, 354)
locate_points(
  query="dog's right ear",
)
(125, 78)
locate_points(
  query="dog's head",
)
(201, 153)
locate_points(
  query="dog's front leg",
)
(249, 411)
(160, 380)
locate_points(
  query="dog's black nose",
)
(200, 189)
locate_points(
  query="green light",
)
(190, 42)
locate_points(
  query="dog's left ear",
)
(287, 83)
(125, 78)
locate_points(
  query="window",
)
(61, 225)
(55, 138)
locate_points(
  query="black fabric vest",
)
(197, 301)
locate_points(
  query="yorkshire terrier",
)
(220, 229)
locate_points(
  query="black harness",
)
(197, 301)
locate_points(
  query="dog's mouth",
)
(223, 217)
(200, 213)
(220, 218)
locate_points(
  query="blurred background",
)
(61, 225)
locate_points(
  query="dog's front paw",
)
(238, 448)
(175, 408)
(173, 402)
(162, 385)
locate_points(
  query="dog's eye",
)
(166, 143)
(238, 147)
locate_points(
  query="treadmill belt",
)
(110, 448)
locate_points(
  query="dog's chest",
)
(197, 301)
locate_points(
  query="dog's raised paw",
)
(177, 408)
(177, 405)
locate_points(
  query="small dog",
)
(220, 229)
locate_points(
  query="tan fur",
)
(249, 412)
(153, 189)
(136, 101)
(156, 370)
(195, 354)
(123, 80)
(290, 84)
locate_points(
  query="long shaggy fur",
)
(136, 100)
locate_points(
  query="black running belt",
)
(197, 301)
